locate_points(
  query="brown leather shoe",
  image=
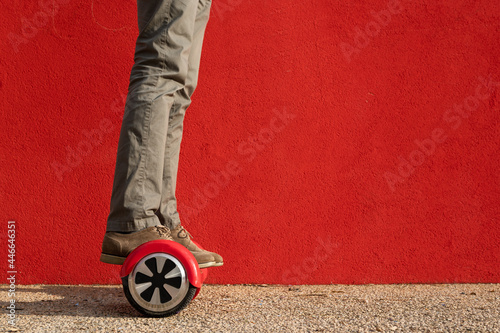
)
(117, 246)
(182, 236)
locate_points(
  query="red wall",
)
(385, 169)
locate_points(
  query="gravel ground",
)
(264, 308)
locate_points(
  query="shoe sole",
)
(116, 260)
(218, 264)
(210, 264)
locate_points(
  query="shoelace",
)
(187, 232)
(163, 231)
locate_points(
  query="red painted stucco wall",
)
(328, 141)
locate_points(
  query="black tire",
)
(183, 304)
(158, 285)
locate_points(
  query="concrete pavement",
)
(263, 308)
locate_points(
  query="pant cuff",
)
(131, 226)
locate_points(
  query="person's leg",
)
(160, 70)
(167, 213)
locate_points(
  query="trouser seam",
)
(144, 154)
(162, 65)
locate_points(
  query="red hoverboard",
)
(161, 277)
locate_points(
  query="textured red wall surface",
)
(328, 141)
